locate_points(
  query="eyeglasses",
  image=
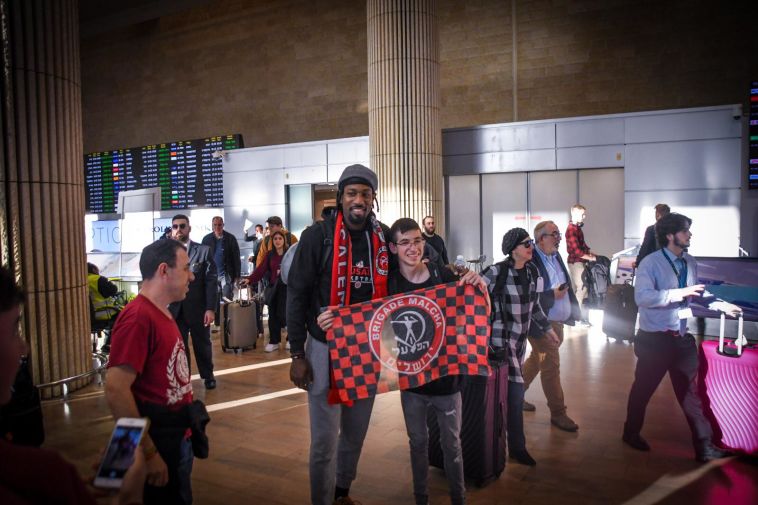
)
(526, 243)
(176, 226)
(556, 235)
(406, 243)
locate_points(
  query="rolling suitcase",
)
(728, 383)
(240, 329)
(620, 313)
(483, 431)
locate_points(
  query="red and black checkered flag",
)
(408, 340)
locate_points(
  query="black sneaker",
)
(523, 457)
(210, 383)
(708, 452)
(635, 441)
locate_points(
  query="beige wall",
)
(286, 71)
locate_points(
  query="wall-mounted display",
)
(188, 173)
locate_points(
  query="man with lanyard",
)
(664, 288)
(148, 371)
(340, 261)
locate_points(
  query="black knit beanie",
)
(512, 238)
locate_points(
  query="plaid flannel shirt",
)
(575, 244)
(521, 309)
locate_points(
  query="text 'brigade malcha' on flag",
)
(405, 341)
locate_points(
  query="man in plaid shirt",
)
(517, 303)
(578, 253)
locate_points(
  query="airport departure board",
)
(753, 138)
(186, 171)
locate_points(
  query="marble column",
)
(42, 183)
(403, 108)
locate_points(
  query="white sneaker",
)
(287, 346)
(272, 347)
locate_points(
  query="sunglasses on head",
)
(179, 225)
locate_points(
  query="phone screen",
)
(119, 455)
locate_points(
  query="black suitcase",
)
(483, 430)
(620, 314)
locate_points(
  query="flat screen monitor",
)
(187, 172)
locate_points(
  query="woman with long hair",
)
(270, 269)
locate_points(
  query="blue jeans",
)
(178, 491)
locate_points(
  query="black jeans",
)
(658, 353)
(277, 314)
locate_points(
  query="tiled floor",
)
(259, 450)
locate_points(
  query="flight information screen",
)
(186, 171)
(753, 137)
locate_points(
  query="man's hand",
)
(301, 373)
(157, 471)
(694, 290)
(473, 278)
(209, 317)
(326, 318)
(552, 337)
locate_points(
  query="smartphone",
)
(119, 455)
(563, 286)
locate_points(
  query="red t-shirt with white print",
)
(148, 341)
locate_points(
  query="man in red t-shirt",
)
(148, 371)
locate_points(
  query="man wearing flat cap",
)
(274, 224)
(340, 261)
(514, 286)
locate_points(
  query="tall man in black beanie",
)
(340, 261)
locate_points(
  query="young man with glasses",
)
(560, 304)
(197, 311)
(514, 286)
(441, 396)
(665, 287)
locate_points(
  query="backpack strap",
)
(328, 244)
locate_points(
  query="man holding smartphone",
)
(559, 302)
(148, 373)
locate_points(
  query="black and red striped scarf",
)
(342, 261)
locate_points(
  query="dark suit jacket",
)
(232, 265)
(648, 244)
(202, 291)
(547, 297)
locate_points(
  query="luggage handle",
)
(740, 340)
(243, 301)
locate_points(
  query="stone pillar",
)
(42, 182)
(403, 108)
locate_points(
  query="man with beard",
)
(434, 240)
(578, 254)
(195, 313)
(664, 288)
(340, 261)
(148, 373)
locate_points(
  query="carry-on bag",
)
(483, 430)
(620, 313)
(729, 390)
(240, 329)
